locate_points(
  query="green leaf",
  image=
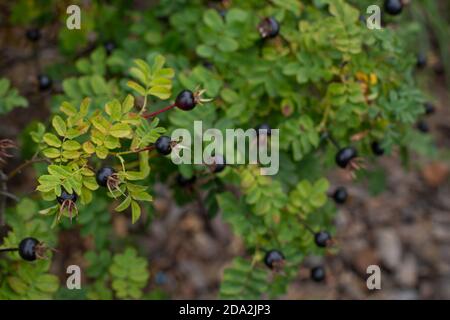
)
(213, 20)
(101, 152)
(59, 125)
(124, 205)
(136, 87)
(68, 109)
(114, 109)
(135, 211)
(51, 153)
(227, 44)
(71, 145)
(17, 285)
(128, 104)
(120, 130)
(52, 140)
(161, 92)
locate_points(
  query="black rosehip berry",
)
(67, 196)
(33, 34)
(393, 7)
(45, 82)
(429, 108)
(318, 274)
(274, 259)
(421, 61)
(185, 182)
(186, 100)
(109, 47)
(345, 155)
(322, 238)
(340, 195)
(219, 163)
(422, 126)
(269, 28)
(264, 126)
(103, 174)
(376, 148)
(164, 145)
(27, 249)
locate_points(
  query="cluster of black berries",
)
(275, 260)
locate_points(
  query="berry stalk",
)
(153, 114)
(9, 249)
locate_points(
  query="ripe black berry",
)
(269, 28)
(186, 100)
(219, 163)
(377, 149)
(340, 195)
(422, 126)
(421, 61)
(27, 249)
(322, 238)
(33, 34)
(263, 126)
(185, 182)
(109, 47)
(318, 274)
(393, 7)
(103, 174)
(274, 259)
(345, 155)
(45, 82)
(429, 108)
(67, 196)
(164, 145)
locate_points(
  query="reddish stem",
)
(153, 114)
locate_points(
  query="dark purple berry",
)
(318, 274)
(103, 174)
(422, 126)
(27, 249)
(33, 34)
(429, 108)
(345, 155)
(340, 195)
(376, 148)
(67, 196)
(264, 126)
(185, 182)
(393, 7)
(45, 82)
(322, 238)
(269, 28)
(421, 61)
(109, 47)
(273, 259)
(219, 163)
(186, 100)
(164, 145)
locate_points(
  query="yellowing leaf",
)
(135, 211)
(88, 147)
(59, 125)
(52, 140)
(71, 145)
(120, 130)
(51, 153)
